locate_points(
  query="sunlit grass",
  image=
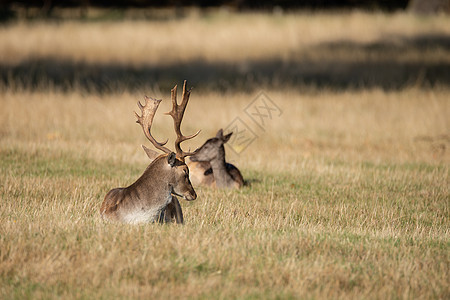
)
(308, 234)
(338, 206)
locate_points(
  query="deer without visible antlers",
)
(208, 166)
(152, 197)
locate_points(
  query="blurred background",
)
(237, 45)
(367, 79)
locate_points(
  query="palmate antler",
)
(177, 114)
(148, 111)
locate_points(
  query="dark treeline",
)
(237, 4)
(45, 8)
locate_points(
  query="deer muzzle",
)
(191, 195)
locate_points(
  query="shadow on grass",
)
(391, 64)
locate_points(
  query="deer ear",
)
(171, 159)
(227, 137)
(219, 133)
(150, 153)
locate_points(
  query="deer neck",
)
(221, 176)
(154, 182)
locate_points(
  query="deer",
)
(153, 196)
(209, 168)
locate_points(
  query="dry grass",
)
(349, 194)
(346, 206)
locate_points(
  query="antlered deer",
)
(208, 166)
(152, 197)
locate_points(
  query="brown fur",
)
(150, 197)
(209, 168)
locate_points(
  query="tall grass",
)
(348, 193)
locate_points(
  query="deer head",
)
(209, 166)
(178, 175)
(212, 149)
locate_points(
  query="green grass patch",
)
(50, 164)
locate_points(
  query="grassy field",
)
(348, 192)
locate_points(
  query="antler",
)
(177, 113)
(148, 112)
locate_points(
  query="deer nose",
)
(191, 196)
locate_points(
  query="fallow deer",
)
(152, 197)
(209, 168)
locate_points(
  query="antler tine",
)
(148, 111)
(177, 114)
